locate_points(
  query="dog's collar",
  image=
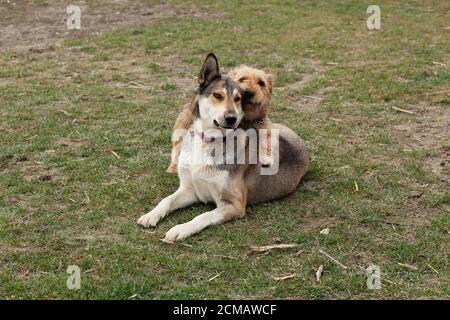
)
(203, 136)
(259, 120)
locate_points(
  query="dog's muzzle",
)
(230, 122)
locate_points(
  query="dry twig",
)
(312, 97)
(407, 266)
(403, 110)
(332, 259)
(273, 246)
(215, 277)
(319, 273)
(284, 277)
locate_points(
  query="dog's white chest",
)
(207, 181)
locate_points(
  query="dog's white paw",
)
(150, 219)
(266, 160)
(180, 232)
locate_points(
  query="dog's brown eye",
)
(261, 83)
(237, 99)
(242, 79)
(218, 96)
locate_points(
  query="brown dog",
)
(258, 86)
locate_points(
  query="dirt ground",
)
(38, 25)
(431, 133)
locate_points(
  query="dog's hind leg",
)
(183, 197)
(216, 216)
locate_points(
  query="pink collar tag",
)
(204, 138)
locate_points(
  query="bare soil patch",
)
(429, 131)
(39, 25)
(307, 103)
(72, 143)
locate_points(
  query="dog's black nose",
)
(230, 120)
(248, 94)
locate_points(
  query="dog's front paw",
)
(180, 232)
(173, 168)
(266, 160)
(150, 219)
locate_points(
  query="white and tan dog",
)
(218, 106)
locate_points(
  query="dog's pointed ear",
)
(210, 70)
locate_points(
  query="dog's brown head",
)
(258, 90)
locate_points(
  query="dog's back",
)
(292, 167)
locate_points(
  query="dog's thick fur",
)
(258, 85)
(232, 186)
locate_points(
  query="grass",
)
(66, 199)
